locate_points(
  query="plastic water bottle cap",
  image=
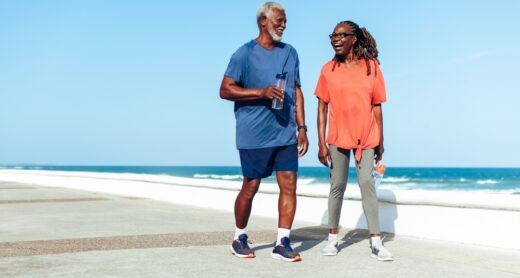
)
(280, 76)
(380, 168)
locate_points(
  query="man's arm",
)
(378, 114)
(230, 90)
(303, 142)
(323, 152)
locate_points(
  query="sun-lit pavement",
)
(54, 232)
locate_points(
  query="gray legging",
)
(338, 184)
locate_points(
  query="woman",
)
(350, 90)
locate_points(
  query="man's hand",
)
(303, 142)
(324, 155)
(272, 92)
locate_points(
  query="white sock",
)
(333, 238)
(282, 233)
(375, 240)
(238, 232)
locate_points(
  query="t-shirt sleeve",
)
(322, 90)
(379, 93)
(235, 67)
(297, 81)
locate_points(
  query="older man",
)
(267, 139)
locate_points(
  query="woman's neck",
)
(348, 61)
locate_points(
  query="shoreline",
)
(474, 218)
(465, 180)
(457, 199)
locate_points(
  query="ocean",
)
(492, 180)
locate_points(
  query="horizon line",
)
(238, 166)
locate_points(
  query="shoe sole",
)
(280, 257)
(248, 256)
(382, 259)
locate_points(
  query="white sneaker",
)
(380, 252)
(330, 249)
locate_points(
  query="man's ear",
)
(263, 21)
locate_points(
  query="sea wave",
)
(305, 181)
(487, 182)
(444, 188)
(404, 186)
(217, 177)
(395, 179)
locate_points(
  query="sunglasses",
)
(340, 35)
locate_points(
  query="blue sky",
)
(136, 82)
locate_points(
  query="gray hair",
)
(266, 9)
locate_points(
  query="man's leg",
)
(286, 210)
(287, 199)
(286, 166)
(244, 201)
(255, 165)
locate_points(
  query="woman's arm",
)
(323, 153)
(378, 114)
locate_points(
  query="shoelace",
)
(244, 241)
(287, 245)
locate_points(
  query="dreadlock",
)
(365, 46)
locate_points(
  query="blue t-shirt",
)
(257, 124)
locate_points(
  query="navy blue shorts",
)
(260, 163)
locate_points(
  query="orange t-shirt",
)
(350, 94)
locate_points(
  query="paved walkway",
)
(54, 232)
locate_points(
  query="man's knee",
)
(288, 190)
(287, 182)
(249, 188)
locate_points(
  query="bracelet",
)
(302, 126)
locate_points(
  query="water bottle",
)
(379, 172)
(281, 82)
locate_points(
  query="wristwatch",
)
(302, 126)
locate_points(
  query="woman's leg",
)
(368, 191)
(338, 184)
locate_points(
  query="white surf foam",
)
(217, 177)
(487, 181)
(395, 179)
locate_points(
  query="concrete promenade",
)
(57, 232)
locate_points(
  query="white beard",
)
(273, 34)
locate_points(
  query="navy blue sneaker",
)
(285, 252)
(240, 248)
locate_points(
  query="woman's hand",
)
(324, 155)
(379, 152)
